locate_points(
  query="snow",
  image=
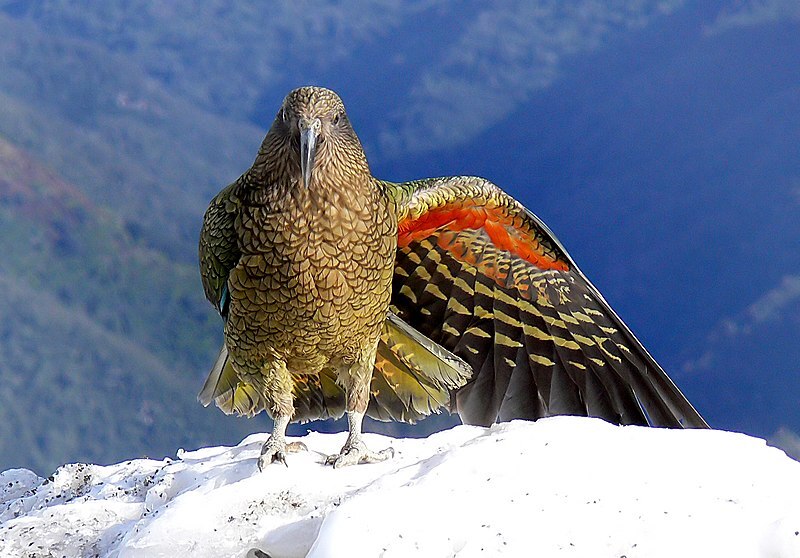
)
(564, 486)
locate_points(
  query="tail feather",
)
(214, 384)
(413, 376)
(227, 391)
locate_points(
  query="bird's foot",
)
(275, 450)
(356, 452)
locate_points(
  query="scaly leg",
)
(355, 451)
(276, 448)
(356, 380)
(278, 391)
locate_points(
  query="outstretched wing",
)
(485, 278)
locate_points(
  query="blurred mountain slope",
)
(100, 344)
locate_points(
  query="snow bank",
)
(559, 487)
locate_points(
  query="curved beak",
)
(308, 148)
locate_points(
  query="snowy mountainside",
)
(564, 486)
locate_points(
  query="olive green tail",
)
(414, 376)
(230, 394)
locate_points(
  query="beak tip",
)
(308, 151)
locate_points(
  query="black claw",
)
(280, 457)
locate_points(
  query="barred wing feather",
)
(482, 276)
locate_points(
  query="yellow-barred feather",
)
(540, 338)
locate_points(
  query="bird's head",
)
(313, 124)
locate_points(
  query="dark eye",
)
(337, 118)
(285, 116)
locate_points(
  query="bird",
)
(344, 294)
